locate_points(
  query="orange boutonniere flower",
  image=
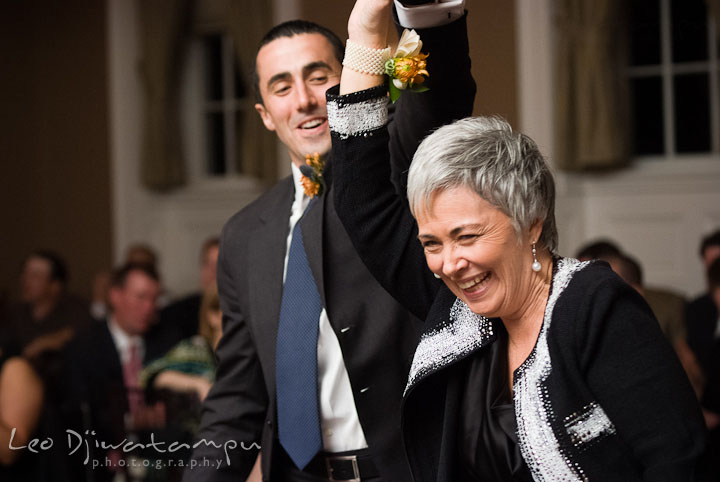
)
(312, 171)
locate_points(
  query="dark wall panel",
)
(54, 160)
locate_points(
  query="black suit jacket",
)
(181, 318)
(701, 318)
(377, 336)
(96, 397)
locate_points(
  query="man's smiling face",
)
(294, 73)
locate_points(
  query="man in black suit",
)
(365, 339)
(701, 314)
(103, 366)
(703, 336)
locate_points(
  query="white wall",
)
(175, 224)
(657, 211)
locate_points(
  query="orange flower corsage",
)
(407, 68)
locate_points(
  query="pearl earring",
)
(436, 275)
(536, 266)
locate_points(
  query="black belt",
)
(346, 466)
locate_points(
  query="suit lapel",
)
(111, 351)
(312, 229)
(266, 260)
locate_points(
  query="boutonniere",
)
(312, 175)
(407, 66)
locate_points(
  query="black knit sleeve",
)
(370, 158)
(376, 218)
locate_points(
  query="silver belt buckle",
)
(353, 461)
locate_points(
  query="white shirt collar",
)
(123, 340)
(301, 200)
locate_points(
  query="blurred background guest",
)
(189, 367)
(47, 315)
(182, 314)
(702, 312)
(104, 363)
(44, 320)
(597, 249)
(182, 378)
(137, 254)
(711, 395)
(21, 402)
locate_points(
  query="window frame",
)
(667, 70)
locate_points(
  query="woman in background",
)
(184, 376)
(189, 367)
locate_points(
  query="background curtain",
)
(164, 38)
(591, 123)
(248, 21)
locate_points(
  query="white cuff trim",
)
(357, 119)
(430, 14)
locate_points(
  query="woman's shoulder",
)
(594, 296)
(578, 288)
(584, 279)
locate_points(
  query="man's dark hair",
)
(290, 29)
(120, 274)
(211, 242)
(712, 239)
(602, 248)
(58, 267)
(630, 269)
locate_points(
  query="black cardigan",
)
(601, 397)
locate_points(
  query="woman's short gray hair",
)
(503, 167)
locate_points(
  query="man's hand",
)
(49, 342)
(369, 23)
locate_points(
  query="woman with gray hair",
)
(531, 366)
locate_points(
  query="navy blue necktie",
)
(296, 380)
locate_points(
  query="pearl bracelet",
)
(364, 59)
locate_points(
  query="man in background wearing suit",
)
(103, 366)
(361, 341)
(701, 314)
(703, 335)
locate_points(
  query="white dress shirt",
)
(123, 341)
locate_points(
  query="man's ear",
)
(265, 116)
